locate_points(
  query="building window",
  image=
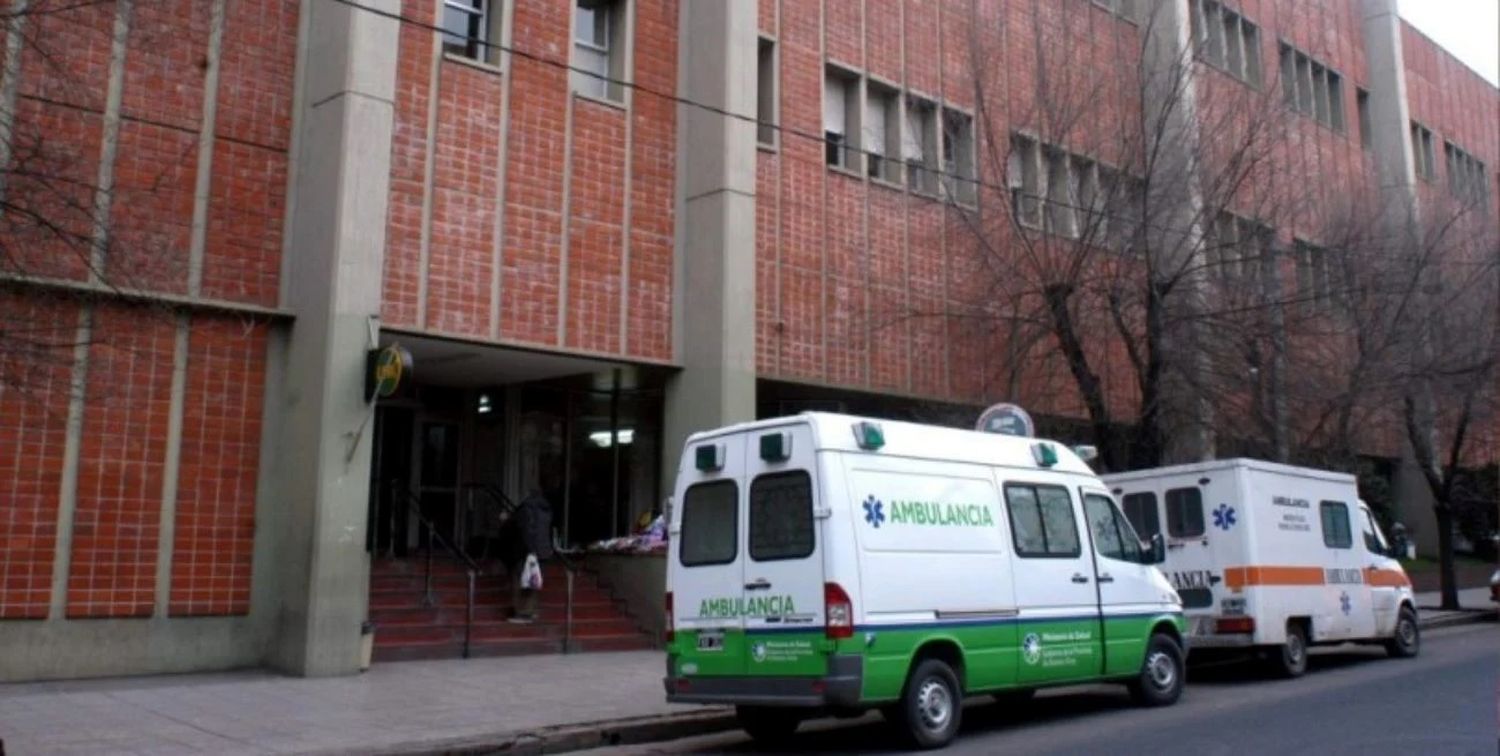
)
(840, 117)
(1233, 248)
(1362, 103)
(1317, 278)
(598, 48)
(958, 156)
(1312, 88)
(882, 132)
(471, 29)
(765, 94)
(1059, 180)
(919, 146)
(1422, 152)
(1467, 178)
(1025, 170)
(1225, 40)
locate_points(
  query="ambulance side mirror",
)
(1158, 551)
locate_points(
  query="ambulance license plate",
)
(711, 640)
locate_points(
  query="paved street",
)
(1353, 701)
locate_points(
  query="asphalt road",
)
(1353, 700)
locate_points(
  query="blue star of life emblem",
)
(1344, 603)
(874, 511)
(1224, 517)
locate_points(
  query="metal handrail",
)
(413, 505)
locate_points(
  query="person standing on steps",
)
(529, 536)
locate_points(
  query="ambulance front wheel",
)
(767, 724)
(1407, 641)
(1161, 679)
(931, 705)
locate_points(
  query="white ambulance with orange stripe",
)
(1272, 557)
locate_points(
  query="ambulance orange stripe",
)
(1236, 578)
(1386, 578)
(1239, 577)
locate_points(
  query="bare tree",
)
(1122, 227)
(75, 228)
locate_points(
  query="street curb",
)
(570, 737)
(1454, 618)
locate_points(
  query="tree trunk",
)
(1089, 386)
(1446, 575)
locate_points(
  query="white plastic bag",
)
(531, 574)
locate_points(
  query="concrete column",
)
(714, 301)
(1173, 232)
(1390, 137)
(337, 241)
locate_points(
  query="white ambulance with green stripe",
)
(827, 564)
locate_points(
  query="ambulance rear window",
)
(710, 523)
(781, 516)
(1184, 513)
(1140, 509)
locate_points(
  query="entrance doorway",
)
(465, 442)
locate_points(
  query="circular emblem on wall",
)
(1007, 420)
(1031, 648)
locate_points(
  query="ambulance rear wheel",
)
(931, 706)
(1407, 641)
(1291, 661)
(1161, 678)
(768, 724)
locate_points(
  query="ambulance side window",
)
(781, 516)
(1374, 541)
(1336, 532)
(1140, 509)
(1042, 521)
(1113, 537)
(1184, 513)
(710, 523)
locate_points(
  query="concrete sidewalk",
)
(518, 704)
(1474, 602)
(435, 706)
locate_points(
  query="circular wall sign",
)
(1007, 420)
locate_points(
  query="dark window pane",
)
(1336, 531)
(1184, 513)
(710, 524)
(1140, 508)
(781, 517)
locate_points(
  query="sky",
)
(1470, 29)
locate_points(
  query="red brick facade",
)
(126, 366)
(579, 255)
(522, 214)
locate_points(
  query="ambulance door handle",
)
(758, 585)
(1105, 578)
(1078, 578)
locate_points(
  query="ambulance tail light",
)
(1231, 625)
(670, 626)
(838, 612)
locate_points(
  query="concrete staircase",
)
(407, 628)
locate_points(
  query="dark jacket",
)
(534, 523)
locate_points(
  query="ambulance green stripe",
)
(997, 655)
